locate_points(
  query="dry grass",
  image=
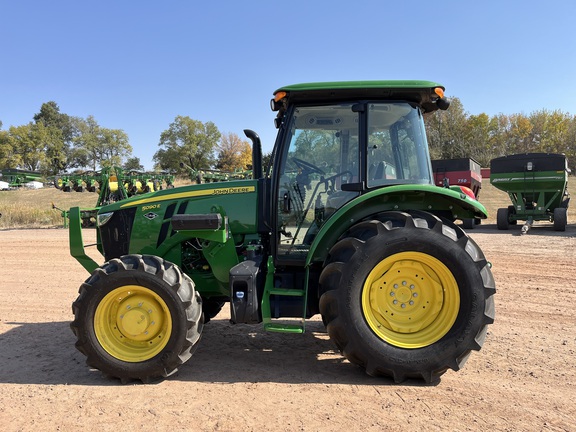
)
(29, 208)
(26, 208)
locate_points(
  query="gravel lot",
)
(244, 379)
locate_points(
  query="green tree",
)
(480, 133)
(62, 130)
(29, 142)
(446, 131)
(519, 135)
(133, 164)
(9, 156)
(98, 147)
(114, 147)
(87, 142)
(188, 141)
(550, 131)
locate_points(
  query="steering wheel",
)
(307, 166)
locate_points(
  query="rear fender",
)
(430, 198)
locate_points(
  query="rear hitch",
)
(527, 225)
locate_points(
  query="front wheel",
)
(137, 317)
(407, 296)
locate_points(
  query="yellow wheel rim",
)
(132, 323)
(410, 299)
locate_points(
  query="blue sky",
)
(136, 65)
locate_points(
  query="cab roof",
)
(424, 93)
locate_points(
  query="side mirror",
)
(443, 104)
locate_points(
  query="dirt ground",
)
(244, 379)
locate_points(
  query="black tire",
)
(160, 329)
(468, 223)
(502, 218)
(560, 219)
(375, 258)
(512, 211)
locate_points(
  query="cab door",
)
(319, 154)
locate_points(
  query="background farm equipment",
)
(18, 178)
(213, 175)
(112, 184)
(537, 186)
(462, 172)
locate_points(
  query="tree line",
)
(55, 142)
(455, 134)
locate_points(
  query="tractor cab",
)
(330, 154)
(345, 143)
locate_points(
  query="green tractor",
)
(346, 223)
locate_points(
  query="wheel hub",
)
(134, 322)
(410, 299)
(406, 298)
(137, 318)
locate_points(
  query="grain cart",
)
(537, 186)
(347, 223)
(18, 178)
(462, 172)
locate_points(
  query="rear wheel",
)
(502, 218)
(407, 296)
(560, 219)
(137, 317)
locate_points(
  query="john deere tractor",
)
(346, 222)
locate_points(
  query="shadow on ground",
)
(44, 353)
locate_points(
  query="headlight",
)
(104, 217)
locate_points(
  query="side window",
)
(321, 156)
(380, 157)
(397, 152)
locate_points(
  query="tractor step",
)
(281, 325)
(284, 328)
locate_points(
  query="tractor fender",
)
(430, 198)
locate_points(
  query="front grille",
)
(115, 235)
